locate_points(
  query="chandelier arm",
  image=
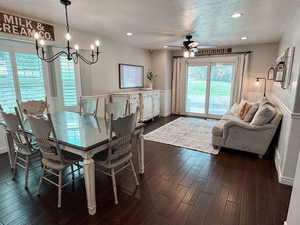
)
(74, 56)
(88, 61)
(52, 58)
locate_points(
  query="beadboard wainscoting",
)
(288, 144)
(165, 103)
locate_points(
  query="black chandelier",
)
(71, 53)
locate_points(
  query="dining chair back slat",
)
(41, 130)
(88, 105)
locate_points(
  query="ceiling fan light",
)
(236, 15)
(192, 54)
(186, 54)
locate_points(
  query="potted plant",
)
(150, 76)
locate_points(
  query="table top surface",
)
(83, 132)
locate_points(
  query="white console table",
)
(148, 102)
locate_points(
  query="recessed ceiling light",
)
(236, 15)
(244, 38)
(166, 46)
(129, 34)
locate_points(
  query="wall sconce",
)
(265, 83)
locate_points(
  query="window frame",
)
(59, 84)
(14, 47)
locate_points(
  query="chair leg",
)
(113, 177)
(27, 171)
(41, 180)
(73, 177)
(134, 173)
(59, 188)
(15, 166)
(78, 167)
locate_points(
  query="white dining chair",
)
(118, 156)
(26, 151)
(88, 105)
(55, 163)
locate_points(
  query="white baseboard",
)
(282, 179)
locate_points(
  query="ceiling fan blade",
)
(174, 46)
(194, 44)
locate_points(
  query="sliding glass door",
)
(196, 89)
(209, 89)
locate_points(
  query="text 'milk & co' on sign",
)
(21, 26)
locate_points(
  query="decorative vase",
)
(151, 84)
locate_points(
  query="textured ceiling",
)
(156, 23)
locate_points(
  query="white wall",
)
(161, 66)
(262, 57)
(289, 101)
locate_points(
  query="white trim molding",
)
(282, 179)
(287, 142)
(283, 107)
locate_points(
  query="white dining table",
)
(84, 136)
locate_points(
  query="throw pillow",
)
(251, 113)
(235, 109)
(246, 109)
(264, 115)
(242, 110)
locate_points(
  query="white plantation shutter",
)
(7, 87)
(30, 77)
(68, 77)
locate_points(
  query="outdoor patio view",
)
(214, 97)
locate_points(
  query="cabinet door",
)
(147, 112)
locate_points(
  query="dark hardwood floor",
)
(180, 187)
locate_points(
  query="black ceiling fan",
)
(189, 44)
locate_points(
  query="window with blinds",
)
(7, 87)
(30, 77)
(68, 78)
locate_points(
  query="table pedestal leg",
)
(89, 179)
(141, 155)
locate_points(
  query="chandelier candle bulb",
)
(76, 47)
(97, 42)
(68, 36)
(92, 47)
(42, 42)
(36, 36)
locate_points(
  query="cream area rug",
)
(186, 132)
